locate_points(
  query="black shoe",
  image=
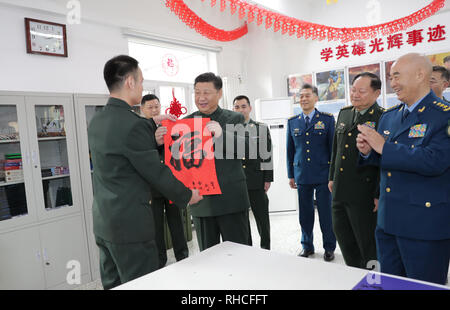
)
(328, 256)
(306, 253)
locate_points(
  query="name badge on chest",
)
(417, 131)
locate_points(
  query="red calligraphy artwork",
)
(189, 153)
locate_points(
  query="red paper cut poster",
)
(189, 154)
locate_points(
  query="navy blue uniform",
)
(308, 161)
(413, 225)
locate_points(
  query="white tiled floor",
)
(285, 238)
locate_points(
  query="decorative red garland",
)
(294, 26)
(175, 107)
(194, 21)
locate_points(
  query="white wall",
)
(94, 41)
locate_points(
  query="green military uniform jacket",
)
(353, 184)
(126, 163)
(230, 175)
(258, 170)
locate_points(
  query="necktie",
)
(405, 113)
(307, 121)
(358, 116)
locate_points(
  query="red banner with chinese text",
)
(189, 153)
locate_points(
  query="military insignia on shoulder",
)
(443, 106)
(326, 113)
(295, 116)
(394, 107)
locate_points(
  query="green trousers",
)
(259, 203)
(354, 226)
(230, 227)
(120, 263)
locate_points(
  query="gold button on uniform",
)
(412, 146)
(307, 142)
(307, 151)
(349, 134)
(243, 166)
(309, 159)
(341, 169)
(162, 161)
(395, 142)
(388, 189)
(428, 204)
(346, 146)
(343, 157)
(307, 133)
(150, 202)
(389, 174)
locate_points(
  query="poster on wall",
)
(441, 59)
(387, 72)
(295, 83)
(354, 71)
(331, 107)
(331, 85)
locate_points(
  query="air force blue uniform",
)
(413, 225)
(308, 161)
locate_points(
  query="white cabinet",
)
(42, 223)
(21, 260)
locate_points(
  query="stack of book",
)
(12, 167)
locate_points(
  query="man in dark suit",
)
(440, 81)
(258, 169)
(412, 148)
(161, 207)
(354, 188)
(226, 215)
(309, 144)
(126, 163)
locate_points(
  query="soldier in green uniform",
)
(354, 189)
(126, 163)
(161, 207)
(226, 215)
(258, 170)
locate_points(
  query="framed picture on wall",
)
(331, 85)
(441, 59)
(354, 71)
(295, 83)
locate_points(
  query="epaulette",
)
(393, 108)
(326, 113)
(347, 107)
(441, 106)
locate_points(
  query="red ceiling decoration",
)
(293, 26)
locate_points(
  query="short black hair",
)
(447, 58)
(240, 97)
(375, 81)
(209, 77)
(118, 69)
(313, 88)
(148, 98)
(444, 72)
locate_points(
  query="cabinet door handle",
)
(33, 159)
